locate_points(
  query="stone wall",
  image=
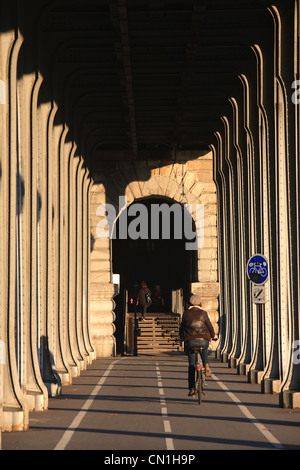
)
(137, 180)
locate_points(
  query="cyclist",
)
(196, 330)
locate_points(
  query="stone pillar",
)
(76, 359)
(208, 285)
(80, 263)
(6, 43)
(65, 149)
(44, 237)
(59, 366)
(13, 399)
(102, 318)
(286, 115)
(31, 381)
(101, 287)
(86, 250)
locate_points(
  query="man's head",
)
(195, 300)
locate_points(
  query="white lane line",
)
(268, 435)
(164, 410)
(167, 426)
(67, 436)
(169, 444)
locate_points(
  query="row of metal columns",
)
(44, 193)
(257, 176)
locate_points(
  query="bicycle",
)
(258, 269)
(200, 382)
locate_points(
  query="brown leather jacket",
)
(196, 324)
(141, 298)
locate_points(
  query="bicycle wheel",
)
(199, 385)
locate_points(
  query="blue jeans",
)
(188, 347)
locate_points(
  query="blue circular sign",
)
(258, 269)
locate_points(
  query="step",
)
(160, 332)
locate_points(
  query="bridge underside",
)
(117, 102)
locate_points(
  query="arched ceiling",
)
(139, 79)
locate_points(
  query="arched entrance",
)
(188, 183)
(156, 250)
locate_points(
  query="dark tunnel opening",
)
(164, 261)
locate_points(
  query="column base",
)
(254, 376)
(290, 399)
(271, 386)
(14, 419)
(105, 346)
(242, 368)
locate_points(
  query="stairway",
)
(160, 332)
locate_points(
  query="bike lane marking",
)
(164, 410)
(67, 436)
(268, 435)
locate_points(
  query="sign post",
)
(258, 294)
(258, 273)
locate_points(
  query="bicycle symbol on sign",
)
(257, 269)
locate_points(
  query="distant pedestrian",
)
(196, 330)
(144, 299)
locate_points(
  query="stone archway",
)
(155, 242)
(189, 182)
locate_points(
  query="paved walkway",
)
(141, 403)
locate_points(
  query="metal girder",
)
(147, 66)
(119, 19)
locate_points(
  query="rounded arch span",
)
(128, 183)
(150, 243)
